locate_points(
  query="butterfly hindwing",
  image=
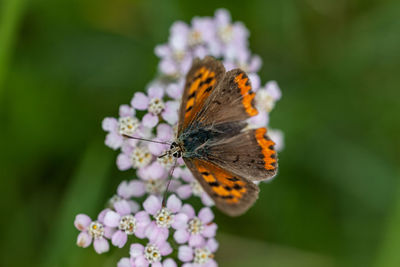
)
(231, 193)
(232, 100)
(250, 154)
(201, 81)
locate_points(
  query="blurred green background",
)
(66, 64)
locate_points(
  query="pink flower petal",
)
(180, 221)
(134, 206)
(124, 262)
(209, 230)
(188, 210)
(141, 262)
(102, 214)
(212, 245)
(137, 188)
(110, 124)
(124, 162)
(113, 140)
(140, 101)
(185, 253)
(165, 248)
(82, 221)
(156, 149)
(84, 240)
(274, 90)
(255, 81)
(155, 91)
(164, 132)
(140, 231)
(156, 234)
(150, 120)
(174, 204)
(142, 218)
(184, 191)
(206, 215)
(170, 113)
(156, 264)
(124, 190)
(101, 245)
(259, 120)
(112, 219)
(109, 231)
(169, 263)
(211, 263)
(126, 111)
(152, 204)
(207, 200)
(174, 90)
(119, 239)
(196, 241)
(136, 250)
(186, 175)
(181, 236)
(122, 207)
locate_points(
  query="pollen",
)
(195, 226)
(152, 253)
(202, 255)
(96, 230)
(127, 224)
(164, 218)
(156, 106)
(141, 157)
(128, 125)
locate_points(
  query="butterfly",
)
(223, 155)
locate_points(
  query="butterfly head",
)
(175, 150)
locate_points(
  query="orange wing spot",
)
(248, 96)
(220, 191)
(266, 150)
(199, 88)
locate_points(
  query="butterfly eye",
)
(177, 154)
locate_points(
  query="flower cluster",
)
(151, 226)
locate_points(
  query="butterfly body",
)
(223, 155)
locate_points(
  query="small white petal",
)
(169, 263)
(174, 204)
(124, 262)
(112, 219)
(140, 101)
(212, 245)
(122, 207)
(196, 241)
(136, 250)
(180, 221)
(82, 222)
(185, 253)
(206, 215)
(101, 245)
(84, 240)
(152, 204)
(119, 239)
(181, 236)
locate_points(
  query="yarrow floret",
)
(151, 226)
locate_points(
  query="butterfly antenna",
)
(169, 182)
(147, 140)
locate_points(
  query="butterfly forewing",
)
(231, 193)
(232, 100)
(201, 81)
